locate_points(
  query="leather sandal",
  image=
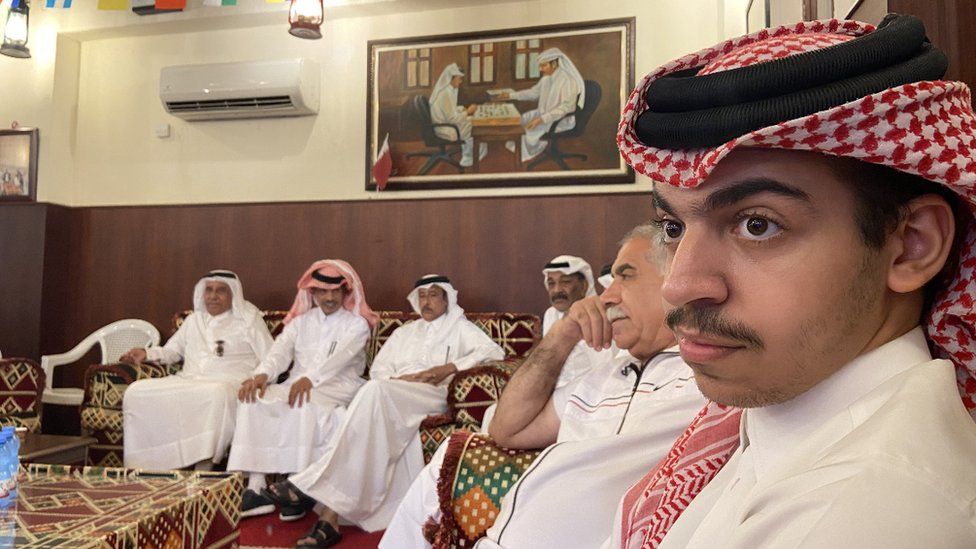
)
(285, 493)
(322, 535)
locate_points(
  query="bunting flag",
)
(54, 3)
(170, 4)
(219, 2)
(383, 166)
(15, 5)
(113, 4)
(276, 1)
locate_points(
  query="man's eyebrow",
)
(623, 267)
(660, 203)
(747, 188)
(735, 193)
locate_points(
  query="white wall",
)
(94, 96)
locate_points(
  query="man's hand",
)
(433, 376)
(134, 356)
(533, 123)
(505, 96)
(301, 392)
(471, 109)
(253, 388)
(586, 320)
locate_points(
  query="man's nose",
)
(696, 271)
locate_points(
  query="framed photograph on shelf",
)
(503, 108)
(18, 164)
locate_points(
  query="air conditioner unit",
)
(250, 89)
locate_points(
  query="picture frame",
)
(477, 135)
(18, 164)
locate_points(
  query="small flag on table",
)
(383, 166)
(219, 2)
(170, 4)
(54, 3)
(113, 4)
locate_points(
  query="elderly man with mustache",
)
(376, 454)
(616, 421)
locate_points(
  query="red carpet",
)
(269, 531)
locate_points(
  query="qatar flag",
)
(383, 166)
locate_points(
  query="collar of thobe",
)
(435, 324)
(771, 432)
(336, 315)
(213, 319)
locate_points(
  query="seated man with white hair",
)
(608, 428)
(188, 418)
(559, 91)
(283, 428)
(376, 453)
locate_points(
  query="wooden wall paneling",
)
(22, 227)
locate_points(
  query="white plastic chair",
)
(114, 339)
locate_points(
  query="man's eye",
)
(672, 230)
(758, 228)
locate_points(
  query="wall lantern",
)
(305, 17)
(15, 31)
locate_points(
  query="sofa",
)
(470, 392)
(21, 384)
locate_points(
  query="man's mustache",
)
(708, 321)
(426, 310)
(615, 313)
(559, 295)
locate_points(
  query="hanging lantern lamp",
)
(305, 17)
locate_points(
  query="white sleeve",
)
(172, 352)
(477, 348)
(281, 354)
(530, 94)
(260, 339)
(345, 354)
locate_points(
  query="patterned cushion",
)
(474, 477)
(472, 391)
(106, 383)
(31, 422)
(21, 384)
(434, 431)
(101, 410)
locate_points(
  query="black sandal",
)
(322, 534)
(285, 494)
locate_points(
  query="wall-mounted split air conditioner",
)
(250, 89)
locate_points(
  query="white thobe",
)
(557, 95)
(178, 420)
(329, 350)
(376, 452)
(445, 110)
(880, 454)
(615, 423)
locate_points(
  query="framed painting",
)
(18, 164)
(516, 107)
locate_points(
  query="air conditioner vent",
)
(257, 103)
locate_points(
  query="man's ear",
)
(921, 243)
